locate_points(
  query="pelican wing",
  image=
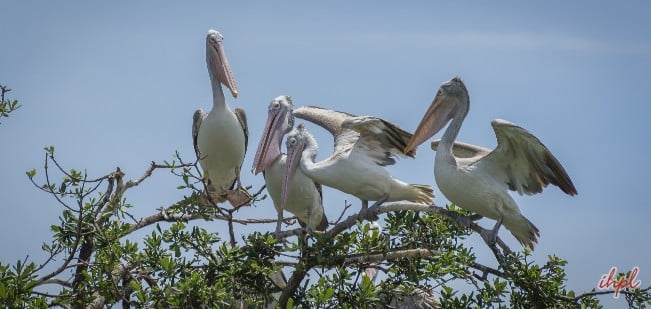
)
(464, 150)
(328, 119)
(379, 139)
(523, 162)
(241, 117)
(197, 118)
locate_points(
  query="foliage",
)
(420, 252)
(7, 106)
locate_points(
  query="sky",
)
(116, 84)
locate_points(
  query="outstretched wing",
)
(523, 162)
(379, 139)
(328, 119)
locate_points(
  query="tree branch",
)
(394, 254)
(577, 298)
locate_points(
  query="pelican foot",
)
(466, 220)
(381, 200)
(212, 196)
(490, 236)
(373, 216)
(475, 217)
(238, 198)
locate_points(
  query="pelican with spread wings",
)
(478, 179)
(363, 146)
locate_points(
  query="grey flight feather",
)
(328, 119)
(385, 134)
(241, 117)
(197, 118)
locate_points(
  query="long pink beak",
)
(293, 161)
(269, 147)
(437, 116)
(218, 63)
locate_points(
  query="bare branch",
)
(3, 89)
(399, 253)
(343, 212)
(487, 270)
(292, 284)
(64, 283)
(577, 298)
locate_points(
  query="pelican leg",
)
(490, 236)
(279, 223)
(380, 201)
(238, 196)
(308, 228)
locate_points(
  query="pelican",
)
(479, 180)
(363, 146)
(304, 198)
(220, 136)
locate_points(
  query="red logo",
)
(612, 281)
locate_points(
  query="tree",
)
(420, 256)
(7, 106)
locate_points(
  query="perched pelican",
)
(363, 145)
(479, 179)
(220, 136)
(304, 198)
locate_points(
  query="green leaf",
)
(135, 285)
(329, 292)
(290, 303)
(31, 173)
(49, 150)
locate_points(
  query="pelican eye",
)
(292, 141)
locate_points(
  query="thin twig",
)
(394, 254)
(577, 298)
(343, 212)
(163, 217)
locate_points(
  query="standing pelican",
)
(220, 136)
(363, 146)
(479, 180)
(304, 197)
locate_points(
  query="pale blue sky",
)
(116, 85)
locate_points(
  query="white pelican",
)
(220, 136)
(304, 198)
(363, 145)
(480, 179)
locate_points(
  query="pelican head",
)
(451, 100)
(279, 121)
(298, 140)
(218, 67)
